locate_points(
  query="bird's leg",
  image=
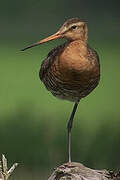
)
(69, 126)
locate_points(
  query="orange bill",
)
(50, 38)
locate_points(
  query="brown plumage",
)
(69, 79)
(72, 70)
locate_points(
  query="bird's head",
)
(72, 29)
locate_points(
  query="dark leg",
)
(70, 122)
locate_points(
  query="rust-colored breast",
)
(77, 64)
(71, 71)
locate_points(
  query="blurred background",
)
(33, 122)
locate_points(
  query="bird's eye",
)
(74, 27)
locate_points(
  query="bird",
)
(70, 71)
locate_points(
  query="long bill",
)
(50, 38)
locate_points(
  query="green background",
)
(33, 122)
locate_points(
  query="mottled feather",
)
(49, 60)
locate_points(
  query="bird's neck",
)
(81, 41)
(79, 45)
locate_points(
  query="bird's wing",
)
(92, 54)
(46, 64)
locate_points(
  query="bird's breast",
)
(74, 65)
(73, 72)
